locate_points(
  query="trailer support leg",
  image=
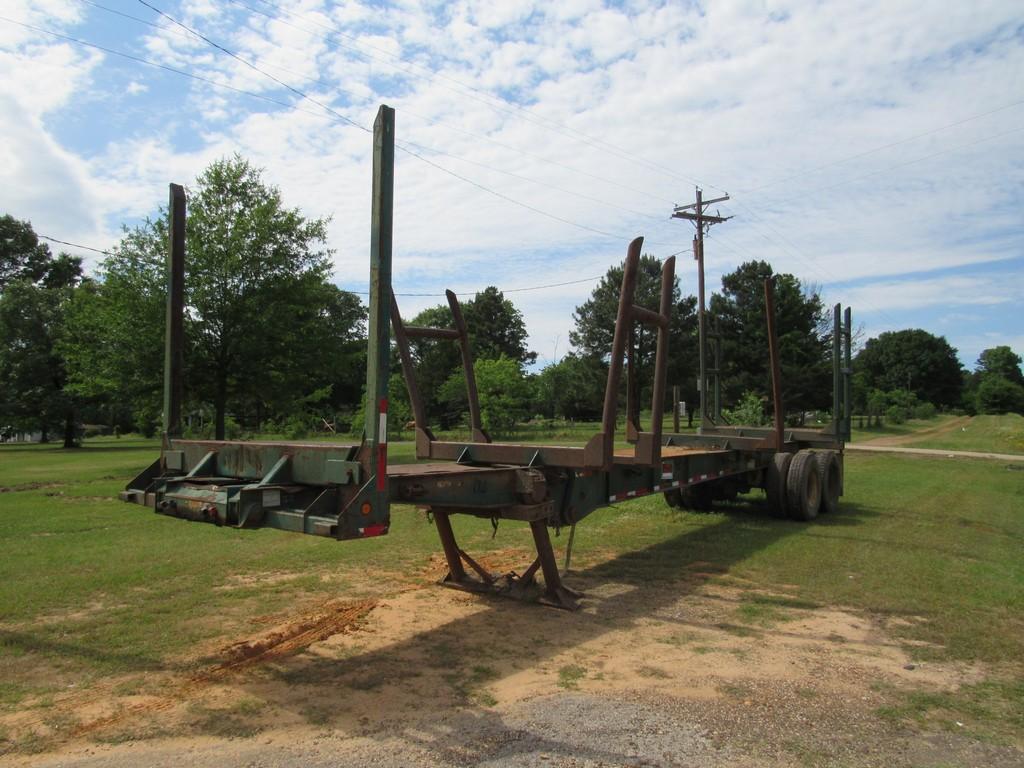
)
(452, 553)
(556, 594)
(520, 587)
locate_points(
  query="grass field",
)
(91, 588)
(994, 434)
(998, 434)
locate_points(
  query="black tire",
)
(699, 497)
(775, 483)
(803, 487)
(831, 476)
(674, 498)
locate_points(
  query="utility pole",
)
(697, 213)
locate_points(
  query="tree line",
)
(274, 347)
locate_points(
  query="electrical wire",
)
(523, 112)
(881, 148)
(74, 245)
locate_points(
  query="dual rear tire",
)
(803, 484)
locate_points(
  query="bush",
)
(925, 411)
(749, 412)
(997, 394)
(895, 414)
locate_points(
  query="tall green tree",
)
(34, 295)
(265, 329)
(1001, 361)
(496, 328)
(22, 256)
(914, 360)
(802, 328)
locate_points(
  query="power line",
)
(366, 293)
(286, 105)
(921, 159)
(410, 113)
(488, 101)
(74, 245)
(252, 66)
(165, 67)
(502, 290)
(881, 148)
(303, 95)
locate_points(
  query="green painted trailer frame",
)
(344, 491)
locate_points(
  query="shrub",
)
(748, 412)
(925, 411)
(895, 414)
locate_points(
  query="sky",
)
(874, 149)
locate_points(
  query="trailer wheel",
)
(699, 497)
(775, 483)
(674, 498)
(831, 477)
(803, 487)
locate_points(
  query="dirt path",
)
(691, 672)
(937, 431)
(878, 448)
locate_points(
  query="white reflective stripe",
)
(382, 428)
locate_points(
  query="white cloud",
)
(649, 95)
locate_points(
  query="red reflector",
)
(374, 530)
(382, 466)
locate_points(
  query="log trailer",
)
(344, 491)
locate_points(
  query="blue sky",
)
(875, 150)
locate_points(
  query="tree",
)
(595, 329)
(913, 360)
(997, 394)
(22, 256)
(35, 295)
(802, 328)
(1001, 361)
(503, 391)
(572, 388)
(264, 328)
(496, 328)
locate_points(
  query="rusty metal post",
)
(475, 423)
(632, 382)
(668, 275)
(622, 322)
(773, 354)
(174, 349)
(408, 369)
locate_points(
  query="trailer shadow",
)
(426, 683)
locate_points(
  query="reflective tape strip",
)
(382, 447)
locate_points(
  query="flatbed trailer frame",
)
(344, 491)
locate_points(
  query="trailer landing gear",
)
(520, 587)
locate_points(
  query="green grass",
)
(996, 434)
(570, 675)
(862, 434)
(990, 710)
(91, 587)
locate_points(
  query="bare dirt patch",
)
(696, 672)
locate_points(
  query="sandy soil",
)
(643, 675)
